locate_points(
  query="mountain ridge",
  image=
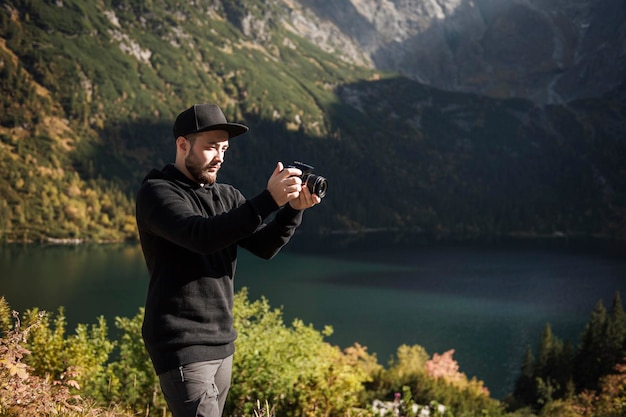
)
(399, 155)
(551, 51)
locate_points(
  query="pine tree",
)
(588, 363)
(542, 366)
(615, 335)
(525, 388)
(563, 369)
(603, 345)
(553, 370)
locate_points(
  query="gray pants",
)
(197, 389)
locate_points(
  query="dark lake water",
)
(487, 302)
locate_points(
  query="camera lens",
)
(316, 184)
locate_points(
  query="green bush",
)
(131, 378)
(23, 393)
(86, 352)
(292, 368)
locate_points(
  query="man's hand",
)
(304, 200)
(285, 186)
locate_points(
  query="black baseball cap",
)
(204, 117)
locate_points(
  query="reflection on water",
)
(87, 280)
(488, 304)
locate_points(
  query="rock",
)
(549, 51)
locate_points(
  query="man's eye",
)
(216, 148)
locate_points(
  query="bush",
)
(23, 393)
(132, 380)
(292, 368)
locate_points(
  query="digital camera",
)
(315, 183)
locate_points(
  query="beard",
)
(198, 171)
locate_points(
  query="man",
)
(190, 227)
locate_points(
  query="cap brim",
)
(233, 129)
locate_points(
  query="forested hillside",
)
(89, 91)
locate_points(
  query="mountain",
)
(90, 90)
(548, 51)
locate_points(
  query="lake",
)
(488, 302)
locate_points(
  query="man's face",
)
(206, 155)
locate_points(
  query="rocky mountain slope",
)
(548, 51)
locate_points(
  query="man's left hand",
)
(304, 200)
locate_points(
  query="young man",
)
(190, 227)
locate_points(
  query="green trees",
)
(553, 368)
(561, 373)
(603, 344)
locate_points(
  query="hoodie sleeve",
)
(167, 211)
(267, 241)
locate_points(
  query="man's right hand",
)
(285, 184)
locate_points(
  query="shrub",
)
(292, 367)
(22, 393)
(86, 352)
(132, 380)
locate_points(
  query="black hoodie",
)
(189, 235)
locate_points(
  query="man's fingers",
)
(279, 167)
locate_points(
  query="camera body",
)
(315, 183)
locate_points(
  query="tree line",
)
(565, 373)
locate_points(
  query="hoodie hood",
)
(171, 173)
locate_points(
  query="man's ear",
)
(182, 143)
